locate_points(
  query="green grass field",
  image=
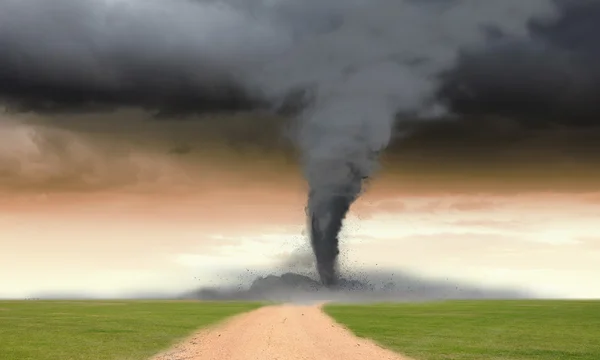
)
(481, 330)
(98, 330)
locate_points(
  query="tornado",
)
(361, 63)
(337, 160)
(326, 217)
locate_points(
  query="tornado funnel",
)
(325, 221)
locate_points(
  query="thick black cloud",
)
(76, 56)
(551, 78)
(40, 96)
(64, 64)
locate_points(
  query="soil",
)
(282, 332)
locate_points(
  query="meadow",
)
(99, 330)
(461, 330)
(480, 330)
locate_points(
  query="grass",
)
(98, 330)
(482, 330)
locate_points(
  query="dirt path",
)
(286, 332)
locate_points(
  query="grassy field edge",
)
(104, 330)
(482, 330)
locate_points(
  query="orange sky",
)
(546, 243)
(87, 214)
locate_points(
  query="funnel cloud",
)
(348, 72)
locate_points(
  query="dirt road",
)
(285, 332)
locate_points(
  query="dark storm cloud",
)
(522, 110)
(189, 56)
(552, 77)
(86, 55)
